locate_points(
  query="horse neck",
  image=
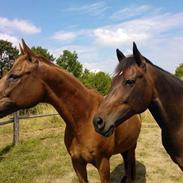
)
(73, 101)
(167, 99)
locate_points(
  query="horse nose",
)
(99, 123)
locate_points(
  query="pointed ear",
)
(21, 49)
(137, 55)
(120, 55)
(26, 49)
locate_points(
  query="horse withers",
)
(33, 79)
(137, 85)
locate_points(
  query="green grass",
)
(41, 156)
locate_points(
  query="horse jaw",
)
(7, 107)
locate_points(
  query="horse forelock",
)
(124, 64)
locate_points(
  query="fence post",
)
(15, 128)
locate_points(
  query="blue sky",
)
(94, 29)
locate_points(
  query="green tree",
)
(43, 52)
(69, 61)
(179, 71)
(88, 78)
(8, 54)
(100, 81)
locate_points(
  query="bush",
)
(100, 81)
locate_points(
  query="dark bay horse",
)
(33, 79)
(137, 85)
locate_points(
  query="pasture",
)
(41, 156)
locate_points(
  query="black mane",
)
(129, 61)
(124, 64)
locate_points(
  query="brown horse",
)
(137, 85)
(33, 79)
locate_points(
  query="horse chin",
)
(7, 107)
(109, 132)
(123, 117)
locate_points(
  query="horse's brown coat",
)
(34, 79)
(143, 85)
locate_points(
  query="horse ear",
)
(26, 49)
(21, 49)
(120, 55)
(137, 55)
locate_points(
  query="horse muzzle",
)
(6, 107)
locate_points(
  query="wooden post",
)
(15, 128)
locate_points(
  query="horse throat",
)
(72, 100)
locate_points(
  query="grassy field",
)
(41, 156)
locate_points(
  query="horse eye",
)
(129, 82)
(13, 77)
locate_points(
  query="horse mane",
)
(48, 62)
(129, 61)
(43, 59)
(164, 71)
(124, 64)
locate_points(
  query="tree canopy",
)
(69, 61)
(179, 71)
(8, 53)
(43, 52)
(100, 81)
(6, 46)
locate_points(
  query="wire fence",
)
(15, 119)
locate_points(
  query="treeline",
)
(99, 80)
(179, 71)
(67, 60)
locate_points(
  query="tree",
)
(100, 81)
(69, 61)
(179, 71)
(8, 54)
(43, 52)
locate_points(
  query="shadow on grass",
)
(5, 150)
(118, 173)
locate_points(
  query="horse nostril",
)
(99, 123)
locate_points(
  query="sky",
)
(95, 29)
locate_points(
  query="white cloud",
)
(93, 9)
(141, 29)
(87, 55)
(64, 36)
(166, 52)
(158, 36)
(70, 36)
(117, 36)
(9, 38)
(18, 25)
(137, 29)
(129, 12)
(93, 67)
